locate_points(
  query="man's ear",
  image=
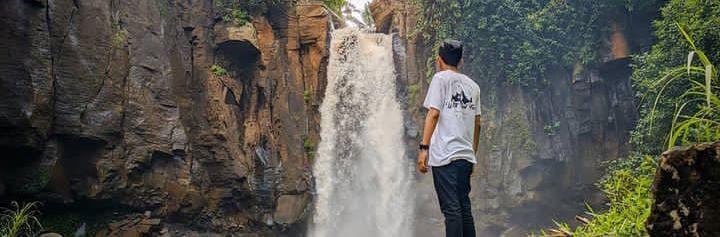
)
(461, 63)
(440, 63)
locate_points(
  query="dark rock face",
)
(686, 193)
(115, 101)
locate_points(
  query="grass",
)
(627, 187)
(696, 118)
(19, 220)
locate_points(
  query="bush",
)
(696, 118)
(627, 187)
(701, 19)
(238, 12)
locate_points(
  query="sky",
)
(359, 5)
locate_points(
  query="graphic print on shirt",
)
(459, 100)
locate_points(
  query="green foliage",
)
(550, 129)
(412, 91)
(309, 147)
(678, 106)
(696, 118)
(627, 187)
(118, 39)
(239, 12)
(306, 96)
(700, 18)
(335, 5)
(30, 180)
(65, 224)
(217, 70)
(367, 15)
(19, 220)
(516, 41)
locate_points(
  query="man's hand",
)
(422, 161)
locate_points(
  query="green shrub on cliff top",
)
(516, 41)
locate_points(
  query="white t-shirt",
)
(457, 97)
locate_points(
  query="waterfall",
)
(362, 178)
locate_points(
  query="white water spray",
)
(362, 177)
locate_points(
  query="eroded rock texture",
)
(686, 193)
(541, 150)
(115, 101)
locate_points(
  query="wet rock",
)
(290, 208)
(50, 235)
(133, 226)
(686, 193)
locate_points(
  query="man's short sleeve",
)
(434, 97)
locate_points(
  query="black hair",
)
(451, 52)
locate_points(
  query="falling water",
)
(362, 179)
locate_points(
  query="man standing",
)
(450, 136)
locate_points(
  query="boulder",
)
(686, 192)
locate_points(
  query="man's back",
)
(457, 97)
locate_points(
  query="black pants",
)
(452, 184)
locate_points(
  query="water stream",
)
(362, 178)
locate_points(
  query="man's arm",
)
(431, 120)
(476, 136)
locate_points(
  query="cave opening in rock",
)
(239, 57)
(241, 60)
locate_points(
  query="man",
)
(450, 136)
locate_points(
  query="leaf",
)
(689, 61)
(687, 36)
(708, 83)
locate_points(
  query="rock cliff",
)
(163, 106)
(542, 150)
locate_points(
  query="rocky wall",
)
(122, 102)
